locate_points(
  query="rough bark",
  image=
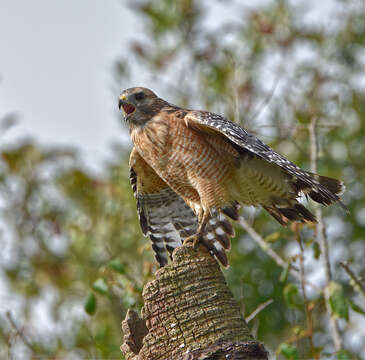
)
(189, 313)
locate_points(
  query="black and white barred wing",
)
(321, 189)
(166, 218)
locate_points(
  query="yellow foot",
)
(193, 239)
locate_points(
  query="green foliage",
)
(117, 266)
(285, 273)
(272, 237)
(338, 301)
(288, 351)
(72, 221)
(356, 308)
(101, 286)
(346, 355)
(90, 304)
(291, 295)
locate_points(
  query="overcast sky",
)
(56, 61)
(55, 70)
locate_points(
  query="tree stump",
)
(189, 313)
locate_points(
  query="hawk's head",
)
(139, 105)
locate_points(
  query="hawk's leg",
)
(197, 237)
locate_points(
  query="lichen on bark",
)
(189, 312)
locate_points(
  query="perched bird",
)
(191, 169)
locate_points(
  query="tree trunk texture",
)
(189, 313)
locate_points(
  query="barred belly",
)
(194, 167)
(189, 163)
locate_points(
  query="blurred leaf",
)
(290, 294)
(302, 117)
(101, 286)
(316, 250)
(272, 237)
(338, 302)
(345, 355)
(21, 159)
(117, 266)
(284, 273)
(356, 308)
(289, 351)
(90, 304)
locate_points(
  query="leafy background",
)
(77, 258)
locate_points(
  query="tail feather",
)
(276, 215)
(295, 212)
(321, 189)
(216, 249)
(307, 216)
(216, 236)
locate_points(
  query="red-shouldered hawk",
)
(189, 169)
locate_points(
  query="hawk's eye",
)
(139, 96)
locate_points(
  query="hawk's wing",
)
(320, 188)
(167, 219)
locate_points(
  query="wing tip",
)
(323, 189)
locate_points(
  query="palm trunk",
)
(189, 313)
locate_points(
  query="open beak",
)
(127, 108)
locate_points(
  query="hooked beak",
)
(127, 107)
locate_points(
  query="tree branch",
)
(307, 307)
(353, 277)
(321, 237)
(265, 247)
(270, 252)
(258, 310)
(20, 332)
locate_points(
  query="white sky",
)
(56, 61)
(55, 70)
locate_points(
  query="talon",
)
(197, 240)
(188, 240)
(194, 239)
(198, 236)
